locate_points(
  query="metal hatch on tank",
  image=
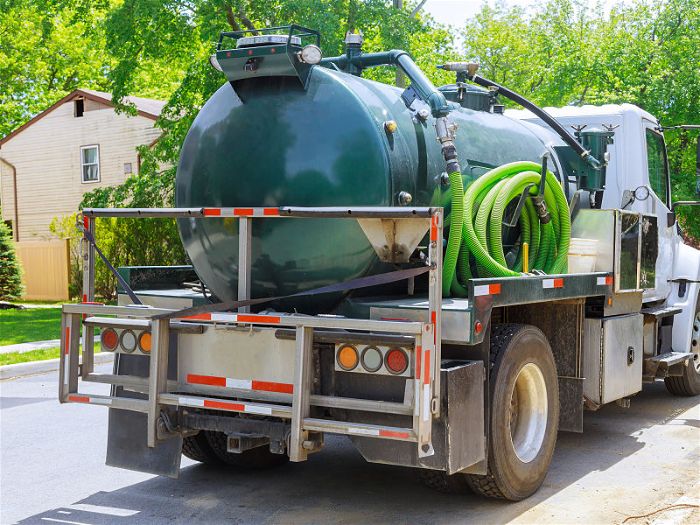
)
(327, 139)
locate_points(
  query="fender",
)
(686, 267)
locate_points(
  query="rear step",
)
(661, 311)
(358, 429)
(665, 365)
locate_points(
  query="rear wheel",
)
(524, 418)
(689, 383)
(524, 413)
(197, 448)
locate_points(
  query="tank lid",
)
(471, 97)
(264, 40)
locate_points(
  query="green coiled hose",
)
(478, 249)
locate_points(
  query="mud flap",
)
(126, 446)
(459, 437)
(127, 430)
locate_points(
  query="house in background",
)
(74, 146)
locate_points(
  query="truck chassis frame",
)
(422, 403)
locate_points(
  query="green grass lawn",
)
(28, 325)
(12, 358)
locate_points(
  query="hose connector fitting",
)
(541, 209)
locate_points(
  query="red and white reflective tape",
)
(241, 212)
(553, 283)
(241, 384)
(379, 432)
(235, 318)
(78, 398)
(224, 405)
(605, 281)
(434, 228)
(66, 350)
(487, 289)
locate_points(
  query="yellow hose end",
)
(526, 257)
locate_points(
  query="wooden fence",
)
(46, 269)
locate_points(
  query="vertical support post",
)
(68, 362)
(245, 230)
(429, 356)
(435, 299)
(300, 395)
(88, 296)
(158, 375)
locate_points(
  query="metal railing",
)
(425, 378)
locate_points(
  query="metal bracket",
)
(513, 220)
(409, 96)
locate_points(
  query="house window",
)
(90, 163)
(79, 107)
(127, 168)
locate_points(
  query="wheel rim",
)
(528, 412)
(695, 343)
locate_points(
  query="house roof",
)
(146, 107)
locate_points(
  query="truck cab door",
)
(659, 204)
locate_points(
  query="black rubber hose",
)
(546, 117)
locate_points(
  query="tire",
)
(689, 383)
(255, 458)
(197, 448)
(523, 377)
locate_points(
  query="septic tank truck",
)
(444, 282)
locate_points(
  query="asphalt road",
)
(628, 462)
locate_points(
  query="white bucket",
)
(582, 255)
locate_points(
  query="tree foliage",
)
(10, 273)
(559, 52)
(562, 52)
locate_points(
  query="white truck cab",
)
(638, 165)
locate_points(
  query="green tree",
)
(10, 272)
(563, 52)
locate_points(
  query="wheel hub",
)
(528, 412)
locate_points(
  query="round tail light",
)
(109, 339)
(145, 342)
(347, 357)
(371, 359)
(128, 341)
(396, 361)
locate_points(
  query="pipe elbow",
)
(396, 54)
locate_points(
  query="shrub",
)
(10, 272)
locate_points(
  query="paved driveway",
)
(628, 462)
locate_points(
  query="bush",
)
(65, 228)
(125, 242)
(10, 272)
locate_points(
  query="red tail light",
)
(396, 361)
(109, 339)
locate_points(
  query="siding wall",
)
(47, 158)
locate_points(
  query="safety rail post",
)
(69, 356)
(158, 375)
(245, 238)
(435, 300)
(300, 394)
(88, 253)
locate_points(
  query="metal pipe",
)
(420, 83)
(15, 222)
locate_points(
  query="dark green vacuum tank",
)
(317, 136)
